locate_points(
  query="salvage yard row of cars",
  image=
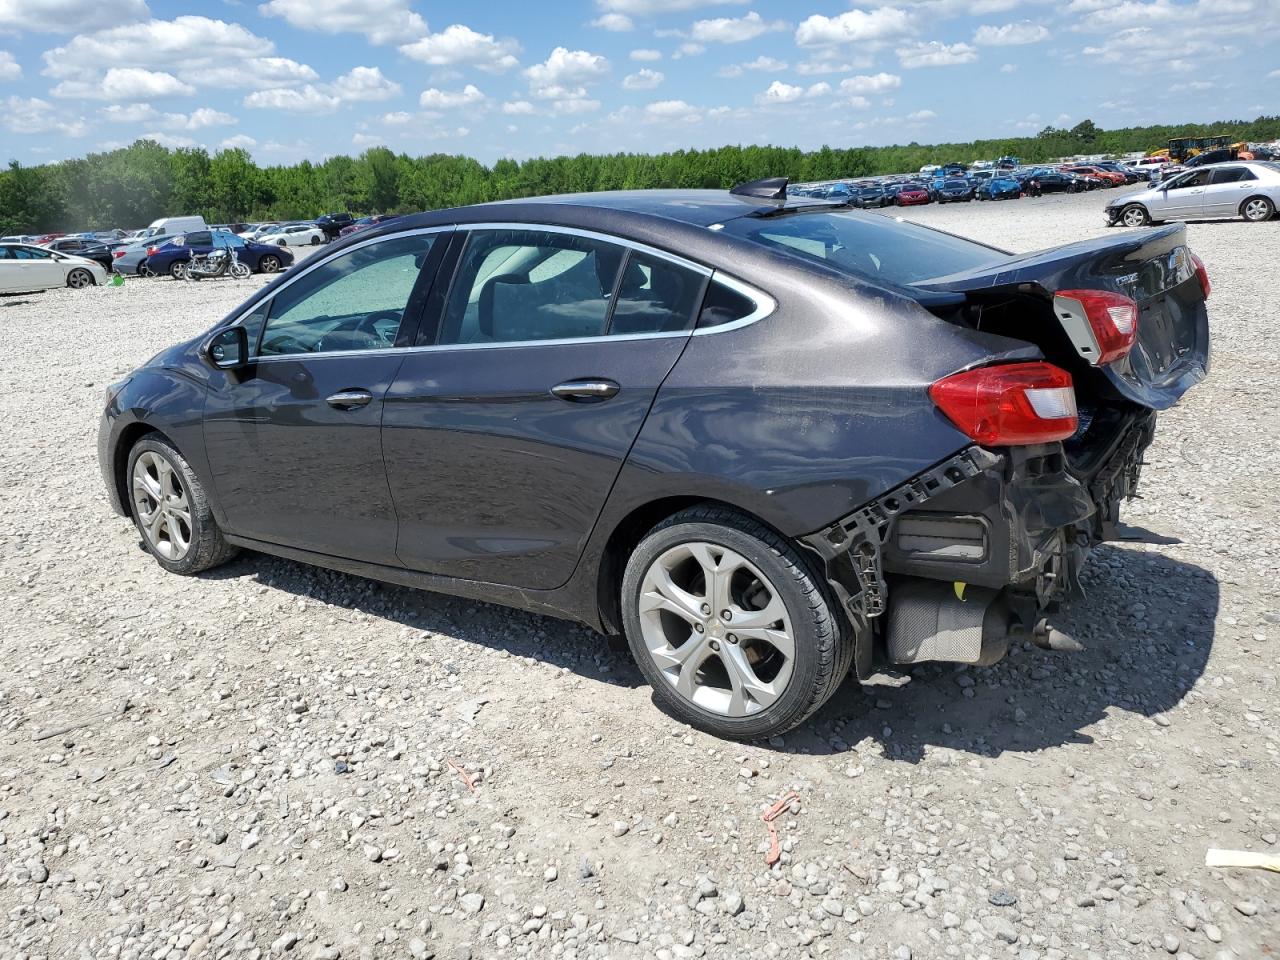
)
(31, 263)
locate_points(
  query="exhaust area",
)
(928, 621)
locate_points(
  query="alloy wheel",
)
(1134, 216)
(717, 629)
(79, 279)
(1257, 210)
(269, 264)
(162, 506)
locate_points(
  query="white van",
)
(168, 226)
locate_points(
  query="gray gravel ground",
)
(287, 778)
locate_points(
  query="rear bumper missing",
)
(1017, 523)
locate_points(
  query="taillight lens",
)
(1112, 317)
(1203, 275)
(151, 251)
(1009, 405)
(117, 254)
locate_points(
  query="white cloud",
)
(735, 30)
(922, 116)
(672, 110)
(646, 56)
(364, 83)
(1010, 35)
(858, 103)
(876, 83)
(641, 8)
(241, 141)
(642, 79)
(761, 64)
(828, 61)
(259, 73)
(1273, 74)
(688, 50)
(517, 108)
(935, 54)
(458, 45)
(614, 22)
(307, 99)
(433, 99)
(573, 105)
(382, 21)
(397, 118)
(779, 92)
(9, 67)
(565, 74)
(1009, 68)
(125, 84)
(855, 26)
(68, 16)
(38, 116)
(130, 113)
(197, 120)
(368, 140)
(169, 140)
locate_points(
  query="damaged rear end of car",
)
(961, 560)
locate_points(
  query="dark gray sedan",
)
(770, 440)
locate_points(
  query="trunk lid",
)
(1152, 267)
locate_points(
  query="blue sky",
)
(295, 79)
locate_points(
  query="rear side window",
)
(1232, 175)
(722, 305)
(520, 285)
(872, 247)
(655, 296)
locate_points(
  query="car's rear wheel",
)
(281, 243)
(171, 510)
(269, 264)
(731, 627)
(315, 241)
(78, 279)
(1257, 209)
(178, 269)
(1135, 215)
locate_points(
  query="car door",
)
(504, 433)
(1228, 186)
(1182, 198)
(10, 271)
(37, 268)
(294, 440)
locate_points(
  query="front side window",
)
(1197, 179)
(356, 301)
(31, 253)
(516, 285)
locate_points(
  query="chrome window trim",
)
(765, 304)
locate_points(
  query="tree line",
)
(134, 185)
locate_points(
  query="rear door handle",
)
(585, 391)
(349, 399)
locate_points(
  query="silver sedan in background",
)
(1238, 188)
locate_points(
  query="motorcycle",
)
(218, 263)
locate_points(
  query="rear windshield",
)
(869, 246)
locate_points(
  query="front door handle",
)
(585, 391)
(349, 399)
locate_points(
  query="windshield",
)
(872, 247)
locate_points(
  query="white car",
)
(295, 235)
(1235, 188)
(26, 269)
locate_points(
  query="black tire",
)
(78, 279)
(1264, 204)
(315, 241)
(177, 269)
(1135, 212)
(823, 639)
(207, 548)
(281, 243)
(269, 264)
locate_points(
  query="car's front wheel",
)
(78, 279)
(315, 241)
(1257, 209)
(729, 624)
(171, 510)
(1135, 215)
(269, 264)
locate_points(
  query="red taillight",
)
(1203, 274)
(1112, 319)
(117, 254)
(151, 251)
(1009, 405)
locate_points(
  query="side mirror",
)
(228, 349)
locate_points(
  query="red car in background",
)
(911, 194)
(1108, 178)
(364, 222)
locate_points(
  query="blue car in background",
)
(1002, 186)
(169, 256)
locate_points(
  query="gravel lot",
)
(274, 760)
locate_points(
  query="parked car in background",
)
(1106, 178)
(89, 249)
(27, 269)
(982, 424)
(953, 190)
(1129, 173)
(171, 226)
(172, 256)
(1209, 156)
(293, 235)
(365, 222)
(872, 195)
(911, 195)
(258, 230)
(1055, 181)
(130, 260)
(1248, 189)
(1000, 187)
(332, 224)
